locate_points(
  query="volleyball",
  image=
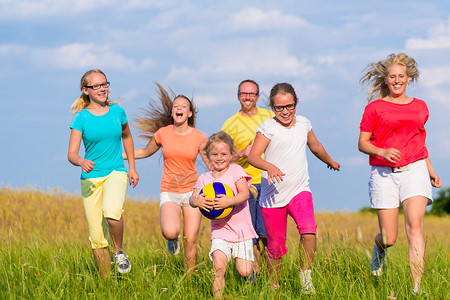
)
(212, 190)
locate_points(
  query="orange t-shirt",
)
(180, 153)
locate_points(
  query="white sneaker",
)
(417, 290)
(377, 262)
(123, 264)
(306, 282)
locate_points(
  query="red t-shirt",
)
(399, 126)
(180, 153)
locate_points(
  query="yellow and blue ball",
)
(212, 190)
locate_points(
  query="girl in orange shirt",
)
(171, 127)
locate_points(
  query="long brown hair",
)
(158, 115)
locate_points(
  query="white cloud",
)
(432, 77)
(256, 19)
(438, 38)
(143, 4)
(82, 56)
(327, 60)
(6, 50)
(31, 8)
(237, 59)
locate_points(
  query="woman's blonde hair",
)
(83, 101)
(377, 72)
(159, 115)
(219, 137)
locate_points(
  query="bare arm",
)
(242, 195)
(319, 151)
(128, 145)
(149, 150)
(391, 154)
(74, 147)
(254, 158)
(244, 152)
(203, 156)
(200, 201)
(434, 178)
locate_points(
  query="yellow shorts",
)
(103, 197)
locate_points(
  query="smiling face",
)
(397, 80)
(281, 104)
(248, 96)
(99, 96)
(181, 110)
(220, 156)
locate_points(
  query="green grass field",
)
(45, 254)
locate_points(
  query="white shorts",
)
(242, 250)
(389, 188)
(180, 199)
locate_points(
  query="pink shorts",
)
(301, 209)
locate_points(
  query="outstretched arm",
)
(392, 155)
(149, 150)
(128, 145)
(319, 151)
(254, 158)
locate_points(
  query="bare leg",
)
(220, 267)
(274, 266)
(388, 224)
(103, 261)
(115, 228)
(414, 209)
(244, 267)
(307, 250)
(257, 253)
(191, 219)
(170, 220)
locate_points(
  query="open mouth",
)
(179, 114)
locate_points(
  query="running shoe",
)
(123, 264)
(417, 290)
(377, 262)
(174, 246)
(306, 282)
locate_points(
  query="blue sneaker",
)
(123, 264)
(174, 246)
(252, 277)
(377, 262)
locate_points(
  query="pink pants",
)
(301, 209)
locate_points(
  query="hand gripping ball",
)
(212, 190)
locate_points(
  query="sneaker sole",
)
(377, 273)
(124, 271)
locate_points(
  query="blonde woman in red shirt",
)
(392, 133)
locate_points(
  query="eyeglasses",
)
(251, 95)
(280, 108)
(98, 86)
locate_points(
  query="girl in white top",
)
(285, 180)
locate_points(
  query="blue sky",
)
(204, 49)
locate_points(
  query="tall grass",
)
(45, 253)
